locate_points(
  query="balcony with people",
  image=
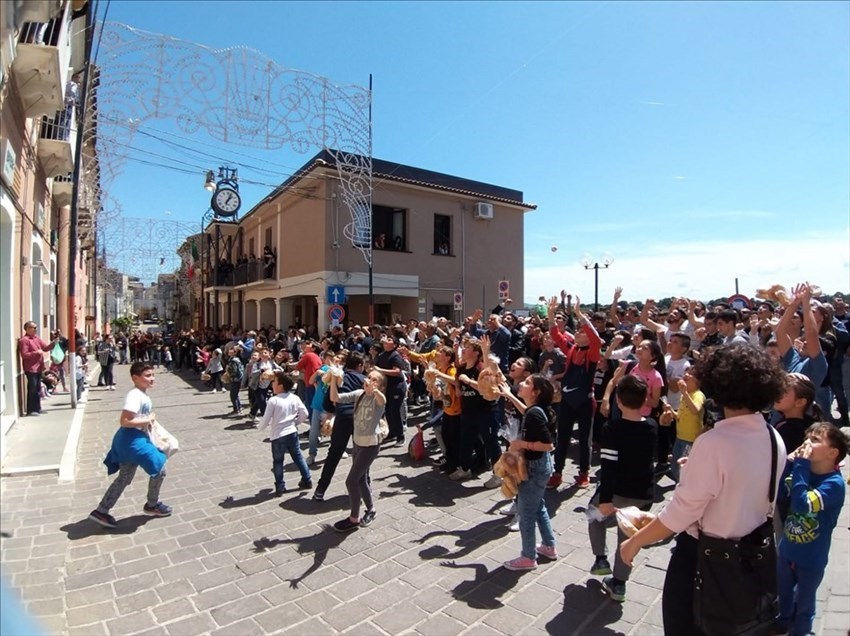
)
(57, 140)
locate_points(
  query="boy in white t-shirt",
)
(132, 447)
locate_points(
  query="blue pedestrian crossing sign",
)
(336, 294)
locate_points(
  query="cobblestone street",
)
(233, 559)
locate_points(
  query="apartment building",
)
(441, 246)
(42, 47)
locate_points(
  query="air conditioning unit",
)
(483, 210)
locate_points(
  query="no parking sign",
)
(504, 289)
(458, 301)
(335, 314)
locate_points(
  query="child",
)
(369, 405)
(82, 368)
(676, 364)
(321, 387)
(132, 447)
(285, 411)
(798, 411)
(251, 381)
(534, 441)
(216, 369)
(688, 418)
(237, 371)
(627, 477)
(817, 494)
(166, 358)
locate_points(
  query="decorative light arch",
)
(238, 96)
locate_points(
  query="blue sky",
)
(696, 142)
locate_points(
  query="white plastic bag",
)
(163, 440)
(631, 519)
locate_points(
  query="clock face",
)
(226, 201)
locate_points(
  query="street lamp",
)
(588, 262)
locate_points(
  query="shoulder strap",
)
(771, 489)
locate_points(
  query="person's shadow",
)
(580, 601)
(466, 540)
(264, 494)
(318, 545)
(87, 528)
(476, 593)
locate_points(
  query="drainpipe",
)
(75, 197)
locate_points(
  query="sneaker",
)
(305, 484)
(346, 525)
(367, 518)
(311, 460)
(256, 421)
(616, 589)
(521, 564)
(159, 510)
(601, 566)
(582, 480)
(514, 526)
(279, 490)
(554, 481)
(548, 552)
(508, 510)
(494, 482)
(318, 496)
(344, 455)
(399, 442)
(106, 520)
(439, 461)
(460, 474)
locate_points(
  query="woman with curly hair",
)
(723, 485)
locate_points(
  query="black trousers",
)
(33, 392)
(677, 601)
(340, 436)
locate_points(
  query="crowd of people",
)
(703, 394)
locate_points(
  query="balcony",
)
(57, 143)
(41, 64)
(63, 189)
(237, 275)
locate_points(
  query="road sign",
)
(458, 301)
(504, 289)
(336, 313)
(739, 301)
(336, 294)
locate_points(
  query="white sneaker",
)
(460, 474)
(494, 482)
(256, 420)
(344, 455)
(514, 527)
(509, 509)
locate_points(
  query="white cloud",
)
(703, 270)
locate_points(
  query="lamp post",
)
(588, 262)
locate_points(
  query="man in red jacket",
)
(31, 349)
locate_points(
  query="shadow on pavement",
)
(87, 528)
(241, 426)
(466, 540)
(425, 489)
(483, 591)
(579, 602)
(317, 544)
(264, 494)
(303, 505)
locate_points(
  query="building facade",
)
(437, 240)
(42, 47)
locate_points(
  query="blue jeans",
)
(798, 586)
(531, 507)
(234, 395)
(315, 429)
(287, 444)
(681, 448)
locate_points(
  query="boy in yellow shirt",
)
(688, 418)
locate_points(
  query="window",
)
(252, 253)
(442, 311)
(442, 234)
(268, 238)
(389, 228)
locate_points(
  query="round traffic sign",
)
(336, 312)
(504, 285)
(739, 301)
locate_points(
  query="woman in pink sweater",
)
(723, 485)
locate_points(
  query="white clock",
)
(226, 202)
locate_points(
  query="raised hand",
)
(618, 291)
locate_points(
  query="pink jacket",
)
(723, 488)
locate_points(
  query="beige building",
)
(41, 47)
(437, 239)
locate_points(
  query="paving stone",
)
(398, 618)
(239, 609)
(42, 592)
(136, 602)
(46, 607)
(281, 618)
(439, 625)
(172, 610)
(247, 626)
(91, 613)
(344, 616)
(138, 583)
(89, 595)
(215, 578)
(197, 624)
(216, 596)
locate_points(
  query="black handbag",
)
(735, 590)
